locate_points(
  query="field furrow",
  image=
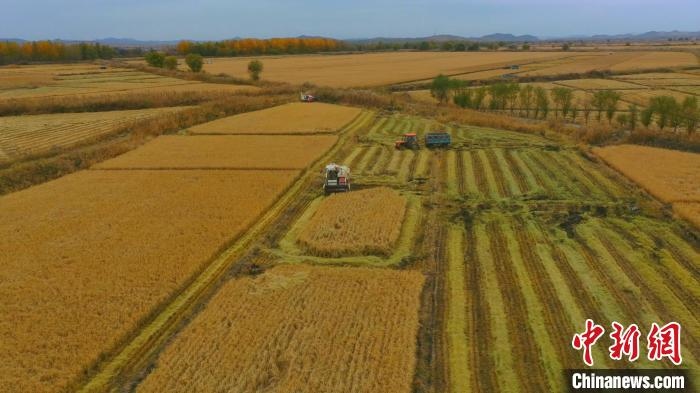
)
(499, 177)
(479, 175)
(529, 369)
(494, 351)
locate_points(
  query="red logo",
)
(625, 342)
(586, 340)
(662, 342)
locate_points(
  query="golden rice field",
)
(599, 84)
(356, 223)
(361, 70)
(22, 136)
(298, 328)
(114, 245)
(82, 80)
(225, 152)
(672, 176)
(284, 119)
(614, 61)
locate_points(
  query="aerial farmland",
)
(309, 214)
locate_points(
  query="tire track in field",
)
(554, 311)
(529, 370)
(461, 187)
(500, 178)
(479, 326)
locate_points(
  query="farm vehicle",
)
(437, 139)
(337, 179)
(306, 97)
(432, 139)
(408, 141)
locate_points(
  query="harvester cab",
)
(337, 179)
(408, 141)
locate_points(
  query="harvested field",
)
(512, 277)
(114, 245)
(22, 136)
(375, 68)
(615, 61)
(284, 119)
(362, 222)
(225, 151)
(89, 80)
(299, 328)
(599, 84)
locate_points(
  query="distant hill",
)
(495, 37)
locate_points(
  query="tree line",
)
(15, 52)
(535, 101)
(254, 46)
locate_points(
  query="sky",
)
(221, 19)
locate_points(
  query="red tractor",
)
(408, 141)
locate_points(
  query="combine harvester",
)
(337, 179)
(306, 97)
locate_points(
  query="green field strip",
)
(368, 159)
(665, 263)
(604, 308)
(393, 166)
(499, 346)
(539, 319)
(422, 169)
(350, 159)
(288, 250)
(457, 326)
(663, 301)
(489, 174)
(480, 174)
(555, 187)
(499, 178)
(405, 166)
(519, 166)
(566, 291)
(677, 248)
(380, 165)
(470, 187)
(618, 284)
(452, 175)
(379, 124)
(515, 187)
(530, 372)
(600, 176)
(576, 176)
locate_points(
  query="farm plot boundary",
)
(147, 342)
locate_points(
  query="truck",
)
(408, 141)
(438, 139)
(337, 178)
